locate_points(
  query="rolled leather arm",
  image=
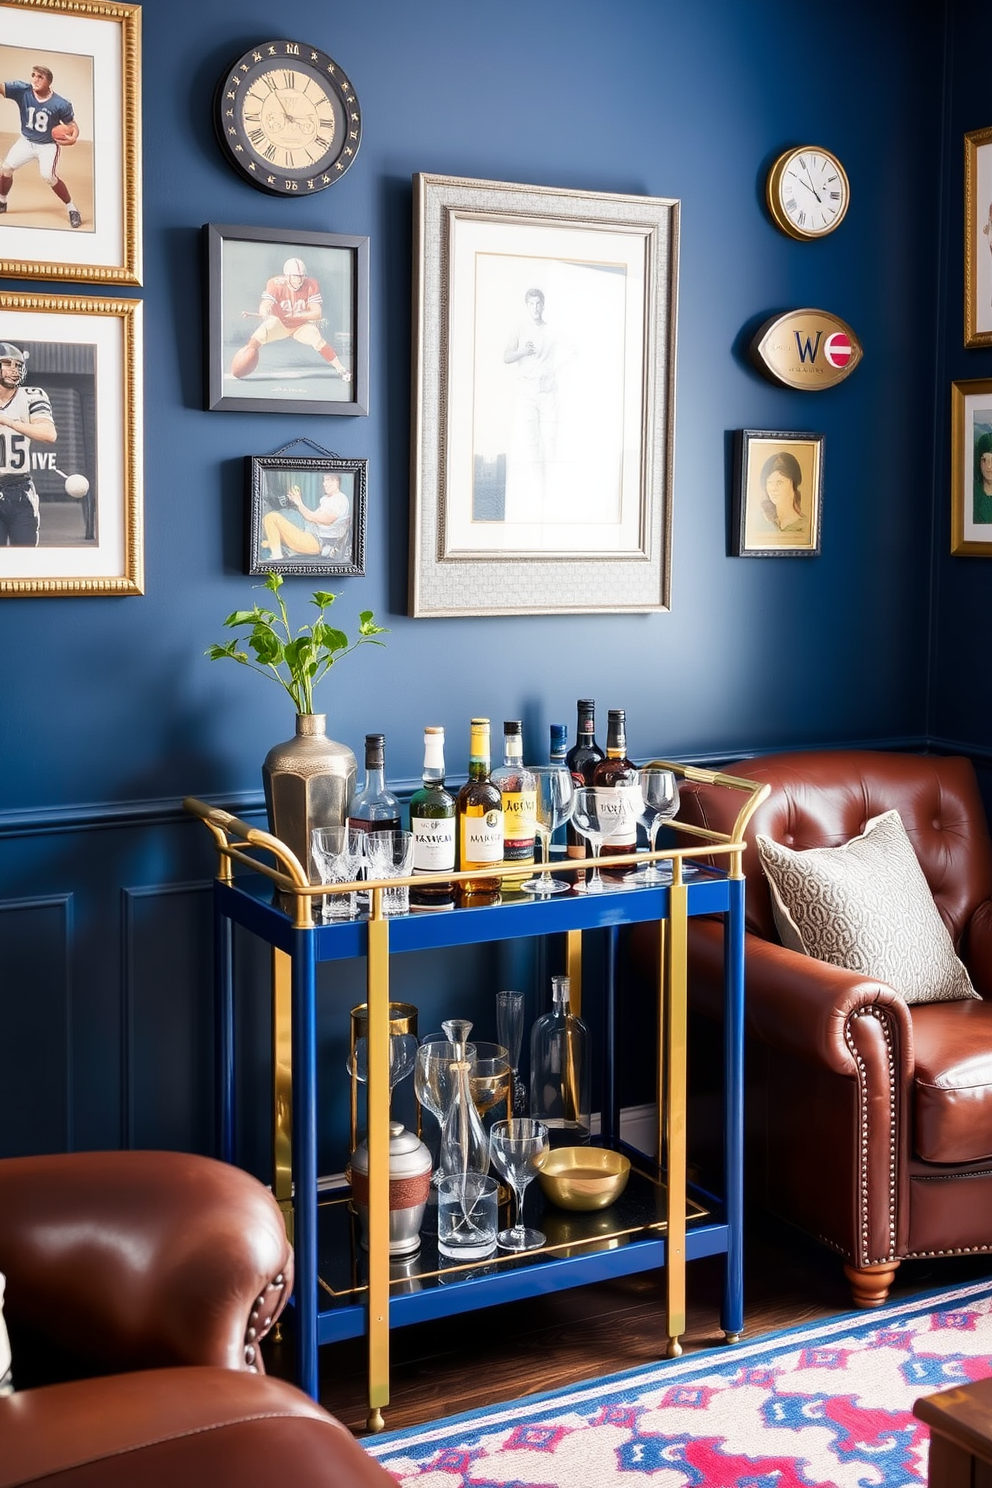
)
(132, 1260)
(159, 1427)
(977, 948)
(795, 1004)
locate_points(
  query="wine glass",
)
(402, 1057)
(660, 794)
(519, 1149)
(599, 814)
(510, 1031)
(432, 1075)
(553, 806)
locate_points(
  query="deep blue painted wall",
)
(111, 701)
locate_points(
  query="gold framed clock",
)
(807, 192)
(288, 118)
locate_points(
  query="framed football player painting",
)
(70, 110)
(70, 446)
(288, 318)
(306, 513)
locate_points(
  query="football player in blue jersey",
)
(47, 124)
(25, 414)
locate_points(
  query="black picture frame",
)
(292, 372)
(270, 478)
(756, 529)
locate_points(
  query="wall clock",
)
(807, 192)
(287, 118)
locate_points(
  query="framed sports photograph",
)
(70, 446)
(778, 494)
(544, 373)
(971, 469)
(70, 140)
(978, 238)
(306, 514)
(288, 317)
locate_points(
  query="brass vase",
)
(309, 782)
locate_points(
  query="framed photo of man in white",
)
(544, 379)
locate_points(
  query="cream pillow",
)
(866, 906)
(6, 1377)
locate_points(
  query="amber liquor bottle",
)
(617, 774)
(582, 759)
(480, 823)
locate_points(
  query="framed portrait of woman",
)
(971, 469)
(778, 492)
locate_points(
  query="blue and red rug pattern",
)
(828, 1405)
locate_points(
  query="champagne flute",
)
(660, 794)
(553, 806)
(519, 1149)
(510, 1031)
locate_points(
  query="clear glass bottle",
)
(559, 1070)
(558, 755)
(480, 822)
(432, 822)
(518, 790)
(464, 1139)
(582, 759)
(373, 808)
(617, 773)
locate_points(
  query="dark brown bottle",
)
(582, 759)
(616, 773)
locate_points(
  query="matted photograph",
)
(971, 469)
(978, 238)
(70, 446)
(544, 335)
(778, 494)
(70, 111)
(288, 321)
(307, 514)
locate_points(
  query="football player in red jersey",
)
(291, 306)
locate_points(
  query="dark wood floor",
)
(487, 1357)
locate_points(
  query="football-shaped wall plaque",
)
(806, 349)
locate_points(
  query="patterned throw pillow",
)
(866, 906)
(6, 1376)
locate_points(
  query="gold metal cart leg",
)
(676, 1034)
(378, 1140)
(282, 1086)
(573, 969)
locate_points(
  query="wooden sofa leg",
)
(870, 1284)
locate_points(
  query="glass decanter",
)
(559, 1070)
(464, 1140)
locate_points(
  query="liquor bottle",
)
(558, 755)
(373, 808)
(583, 757)
(480, 822)
(615, 775)
(518, 789)
(432, 822)
(559, 1070)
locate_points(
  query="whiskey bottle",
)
(582, 759)
(518, 790)
(559, 1070)
(373, 807)
(558, 755)
(432, 822)
(617, 777)
(480, 822)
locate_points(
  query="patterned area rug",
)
(824, 1406)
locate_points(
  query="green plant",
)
(297, 662)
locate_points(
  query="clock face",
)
(288, 119)
(807, 192)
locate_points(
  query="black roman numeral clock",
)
(807, 192)
(287, 118)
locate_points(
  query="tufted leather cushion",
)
(952, 1084)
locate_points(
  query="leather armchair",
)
(874, 1118)
(139, 1288)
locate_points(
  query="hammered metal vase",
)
(309, 782)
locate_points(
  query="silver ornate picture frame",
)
(543, 399)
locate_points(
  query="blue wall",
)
(110, 712)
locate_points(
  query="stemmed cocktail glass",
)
(600, 813)
(519, 1149)
(553, 806)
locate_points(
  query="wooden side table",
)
(960, 1422)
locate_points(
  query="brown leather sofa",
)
(873, 1119)
(139, 1288)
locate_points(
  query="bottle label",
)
(619, 806)
(482, 839)
(519, 829)
(433, 844)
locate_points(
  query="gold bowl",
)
(584, 1177)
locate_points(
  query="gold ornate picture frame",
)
(971, 469)
(73, 208)
(978, 238)
(70, 506)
